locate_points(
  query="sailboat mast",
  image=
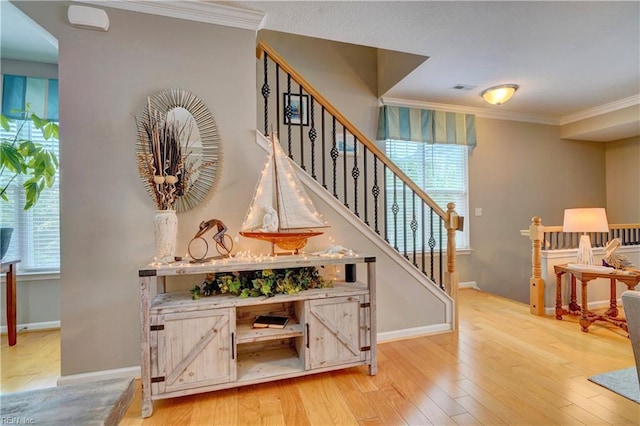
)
(275, 174)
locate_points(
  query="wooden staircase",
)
(357, 173)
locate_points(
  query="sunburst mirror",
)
(199, 152)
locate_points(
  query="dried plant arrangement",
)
(163, 157)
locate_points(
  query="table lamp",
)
(585, 220)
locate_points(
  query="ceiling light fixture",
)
(497, 95)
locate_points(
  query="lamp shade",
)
(585, 220)
(497, 95)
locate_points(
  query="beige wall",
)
(345, 74)
(106, 215)
(517, 171)
(623, 180)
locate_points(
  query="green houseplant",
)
(266, 282)
(21, 156)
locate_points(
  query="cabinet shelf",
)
(258, 365)
(181, 300)
(248, 334)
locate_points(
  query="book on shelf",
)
(270, 321)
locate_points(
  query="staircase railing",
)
(549, 238)
(354, 170)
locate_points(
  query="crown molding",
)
(191, 10)
(602, 109)
(478, 112)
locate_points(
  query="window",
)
(441, 171)
(36, 235)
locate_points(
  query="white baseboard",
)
(94, 376)
(33, 326)
(406, 333)
(469, 284)
(135, 371)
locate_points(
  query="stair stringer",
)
(394, 256)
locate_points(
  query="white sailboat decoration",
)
(281, 211)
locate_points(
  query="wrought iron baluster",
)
(365, 185)
(334, 157)
(277, 99)
(303, 113)
(312, 137)
(414, 226)
(384, 199)
(375, 190)
(355, 173)
(422, 234)
(324, 153)
(404, 218)
(441, 282)
(432, 245)
(344, 167)
(289, 114)
(265, 92)
(395, 209)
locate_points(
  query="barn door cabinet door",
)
(193, 349)
(336, 331)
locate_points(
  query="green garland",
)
(267, 282)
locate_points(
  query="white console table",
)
(193, 346)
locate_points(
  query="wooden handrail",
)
(372, 147)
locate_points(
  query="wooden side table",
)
(587, 317)
(9, 268)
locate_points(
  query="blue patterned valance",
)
(40, 93)
(425, 125)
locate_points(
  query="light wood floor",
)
(505, 367)
(33, 363)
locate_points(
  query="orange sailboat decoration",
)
(281, 211)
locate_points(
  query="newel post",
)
(536, 282)
(454, 223)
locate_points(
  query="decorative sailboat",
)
(281, 211)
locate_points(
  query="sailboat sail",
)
(280, 191)
(262, 199)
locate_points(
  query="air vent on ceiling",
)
(465, 87)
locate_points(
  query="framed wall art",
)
(347, 147)
(299, 109)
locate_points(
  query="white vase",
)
(165, 226)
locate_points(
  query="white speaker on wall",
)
(89, 18)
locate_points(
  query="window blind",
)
(441, 171)
(36, 235)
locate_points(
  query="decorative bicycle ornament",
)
(199, 247)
